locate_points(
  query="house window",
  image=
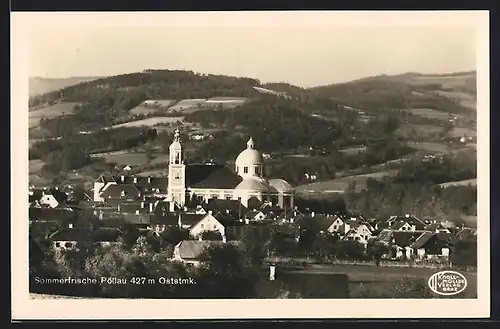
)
(58, 244)
(68, 245)
(335, 227)
(215, 226)
(176, 175)
(202, 225)
(228, 198)
(245, 170)
(257, 171)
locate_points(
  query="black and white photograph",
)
(337, 158)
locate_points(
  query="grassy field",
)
(149, 122)
(418, 131)
(353, 150)
(51, 112)
(465, 99)
(35, 166)
(431, 147)
(472, 182)
(341, 184)
(134, 159)
(459, 132)
(187, 105)
(147, 109)
(432, 114)
(384, 277)
(153, 173)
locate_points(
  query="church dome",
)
(176, 144)
(249, 156)
(253, 184)
(280, 185)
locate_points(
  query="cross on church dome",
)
(250, 143)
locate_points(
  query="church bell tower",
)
(176, 171)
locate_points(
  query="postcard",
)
(272, 165)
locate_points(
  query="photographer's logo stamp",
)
(447, 283)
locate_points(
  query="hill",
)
(38, 85)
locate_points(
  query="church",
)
(211, 181)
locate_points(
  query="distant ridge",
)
(41, 85)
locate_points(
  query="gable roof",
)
(140, 219)
(194, 249)
(115, 191)
(221, 205)
(405, 239)
(105, 178)
(412, 220)
(422, 240)
(211, 176)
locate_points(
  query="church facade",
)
(207, 181)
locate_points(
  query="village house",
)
(68, 238)
(401, 223)
(437, 228)
(192, 251)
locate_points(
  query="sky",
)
(300, 49)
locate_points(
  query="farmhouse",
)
(192, 251)
(214, 181)
(68, 238)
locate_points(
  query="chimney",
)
(149, 179)
(179, 221)
(137, 212)
(224, 240)
(70, 225)
(227, 211)
(312, 214)
(150, 207)
(135, 180)
(247, 221)
(123, 178)
(200, 238)
(272, 272)
(118, 208)
(407, 215)
(142, 204)
(291, 220)
(241, 220)
(210, 212)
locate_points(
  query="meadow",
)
(35, 166)
(339, 185)
(464, 99)
(380, 279)
(430, 147)
(50, 112)
(148, 122)
(187, 105)
(160, 106)
(472, 182)
(431, 114)
(133, 159)
(353, 150)
(418, 131)
(459, 132)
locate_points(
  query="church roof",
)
(249, 156)
(280, 185)
(211, 176)
(253, 184)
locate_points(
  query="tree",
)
(173, 235)
(227, 272)
(211, 235)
